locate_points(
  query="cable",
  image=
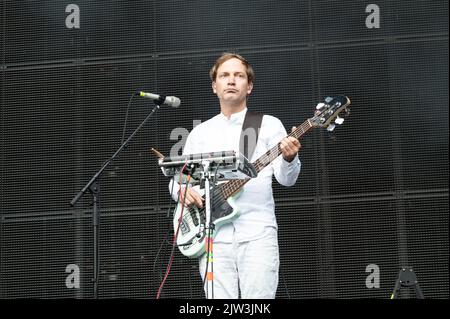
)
(157, 254)
(284, 283)
(169, 266)
(170, 208)
(207, 265)
(126, 117)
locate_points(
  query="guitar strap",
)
(249, 133)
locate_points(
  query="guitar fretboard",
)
(230, 188)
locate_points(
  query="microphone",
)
(161, 99)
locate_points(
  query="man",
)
(246, 257)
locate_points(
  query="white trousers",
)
(251, 267)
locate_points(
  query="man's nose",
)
(231, 79)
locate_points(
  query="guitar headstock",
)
(329, 110)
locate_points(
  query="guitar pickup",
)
(194, 217)
(184, 227)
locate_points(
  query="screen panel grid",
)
(372, 193)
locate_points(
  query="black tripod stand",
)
(407, 278)
(94, 189)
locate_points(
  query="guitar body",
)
(192, 233)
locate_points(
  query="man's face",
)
(231, 84)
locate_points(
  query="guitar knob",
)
(339, 120)
(331, 127)
(320, 106)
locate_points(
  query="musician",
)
(246, 255)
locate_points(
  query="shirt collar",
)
(235, 117)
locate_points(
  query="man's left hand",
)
(289, 147)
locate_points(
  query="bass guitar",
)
(190, 225)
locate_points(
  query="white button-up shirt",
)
(255, 202)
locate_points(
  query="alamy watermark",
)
(373, 279)
(73, 19)
(180, 134)
(73, 279)
(373, 19)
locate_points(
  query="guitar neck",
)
(230, 188)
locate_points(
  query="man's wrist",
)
(290, 159)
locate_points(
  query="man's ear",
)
(250, 88)
(213, 85)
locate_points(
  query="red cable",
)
(183, 198)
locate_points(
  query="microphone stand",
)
(209, 230)
(94, 189)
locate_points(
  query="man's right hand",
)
(192, 197)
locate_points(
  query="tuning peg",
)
(331, 127)
(320, 106)
(339, 120)
(328, 99)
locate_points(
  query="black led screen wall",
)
(373, 193)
